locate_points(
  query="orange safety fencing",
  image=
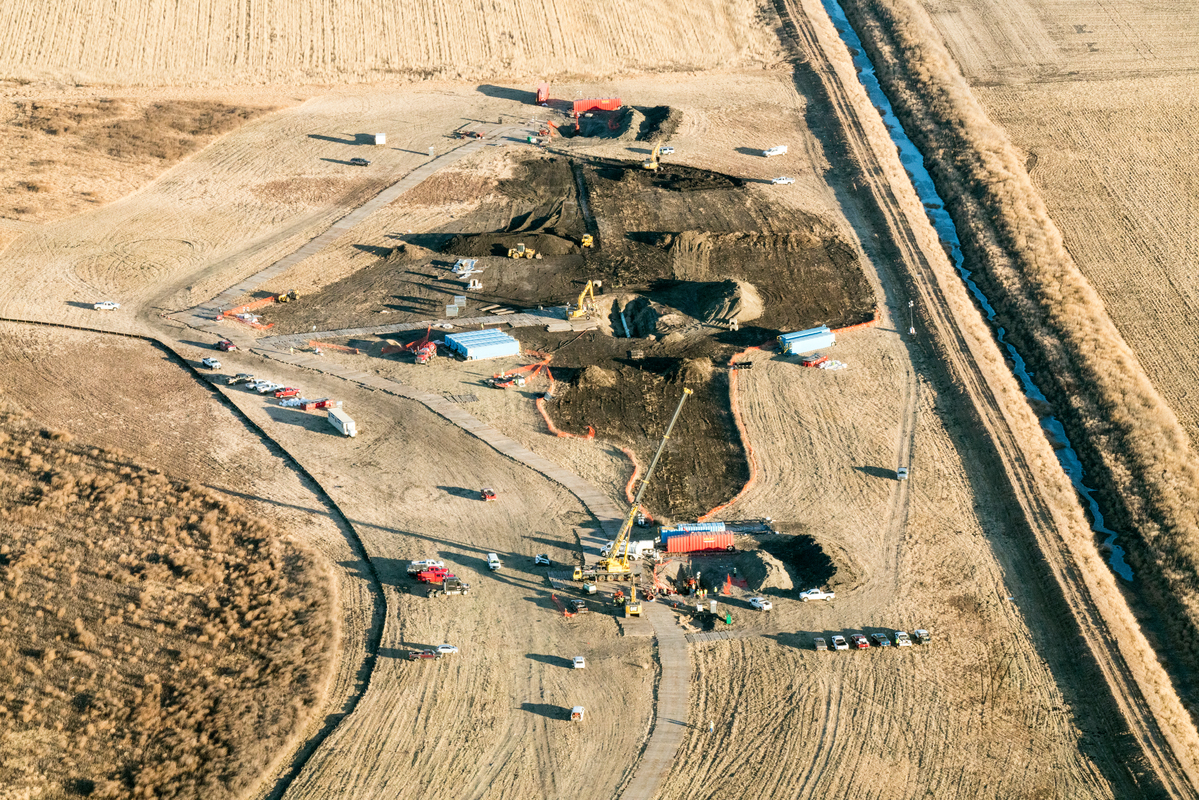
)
(744, 434)
(870, 323)
(628, 487)
(265, 301)
(554, 428)
(257, 325)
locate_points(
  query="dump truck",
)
(341, 420)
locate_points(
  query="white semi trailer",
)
(341, 420)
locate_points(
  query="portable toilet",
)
(380, 138)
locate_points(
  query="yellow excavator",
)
(652, 161)
(616, 566)
(587, 241)
(587, 304)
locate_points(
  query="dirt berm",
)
(765, 573)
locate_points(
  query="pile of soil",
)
(497, 244)
(765, 573)
(716, 302)
(594, 377)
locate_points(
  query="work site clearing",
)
(346, 561)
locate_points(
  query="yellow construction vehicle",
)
(520, 251)
(287, 297)
(652, 161)
(587, 241)
(632, 606)
(587, 304)
(616, 566)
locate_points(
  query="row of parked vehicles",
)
(858, 641)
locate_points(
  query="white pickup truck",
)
(777, 150)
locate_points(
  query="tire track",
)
(964, 369)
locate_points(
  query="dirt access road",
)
(407, 481)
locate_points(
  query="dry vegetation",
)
(155, 640)
(1130, 440)
(337, 41)
(63, 155)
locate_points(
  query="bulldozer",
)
(586, 304)
(652, 161)
(520, 251)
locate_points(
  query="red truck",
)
(435, 575)
(225, 346)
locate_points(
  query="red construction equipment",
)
(543, 93)
(434, 575)
(487, 494)
(604, 104)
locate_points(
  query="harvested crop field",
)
(158, 639)
(218, 41)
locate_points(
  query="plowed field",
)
(308, 41)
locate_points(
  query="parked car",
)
(821, 644)
(287, 391)
(541, 558)
(414, 655)
(225, 346)
(666, 151)
(782, 181)
(268, 387)
(921, 635)
(211, 363)
(902, 640)
(761, 603)
(901, 474)
(360, 162)
(880, 640)
(816, 594)
(106, 305)
(580, 662)
(859, 641)
(580, 606)
(241, 377)
(446, 650)
(423, 565)
(839, 643)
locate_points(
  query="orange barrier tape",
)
(870, 323)
(628, 487)
(749, 450)
(554, 429)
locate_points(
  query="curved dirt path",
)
(934, 285)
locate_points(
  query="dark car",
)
(880, 640)
(360, 162)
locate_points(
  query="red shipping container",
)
(603, 104)
(699, 541)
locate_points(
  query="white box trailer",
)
(380, 138)
(341, 420)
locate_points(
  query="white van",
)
(493, 562)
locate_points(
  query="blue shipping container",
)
(487, 343)
(795, 344)
(701, 526)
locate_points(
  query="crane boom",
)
(618, 556)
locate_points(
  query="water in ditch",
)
(913, 162)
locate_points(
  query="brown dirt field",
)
(67, 152)
(218, 42)
(158, 639)
(487, 722)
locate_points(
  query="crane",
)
(616, 565)
(652, 161)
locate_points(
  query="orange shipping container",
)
(699, 541)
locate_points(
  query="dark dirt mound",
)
(691, 371)
(671, 177)
(539, 178)
(497, 244)
(714, 302)
(594, 377)
(659, 124)
(406, 253)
